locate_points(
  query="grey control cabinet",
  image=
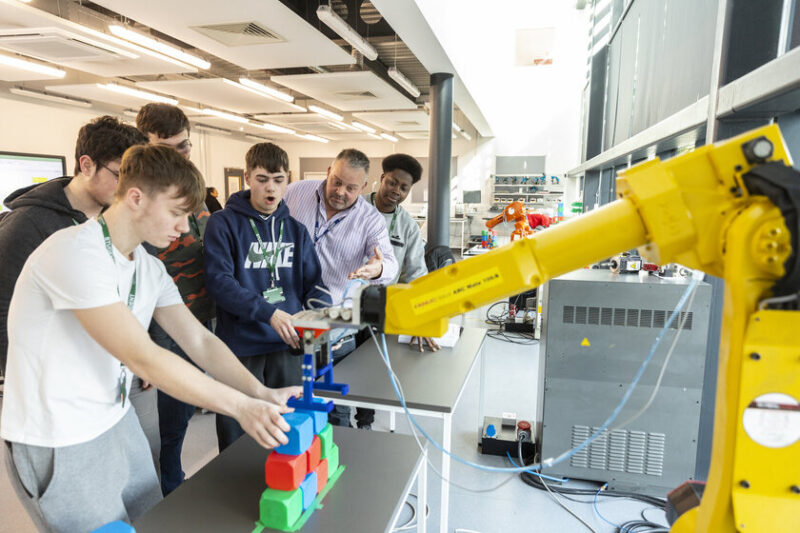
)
(598, 328)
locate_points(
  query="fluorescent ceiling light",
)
(30, 66)
(265, 90)
(338, 126)
(257, 138)
(130, 112)
(298, 108)
(42, 95)
(404, 82)
(346, 32)
(276, 128)
(375, 136)
(350, 127)
(466, 135)
(158, 46)
(225, 115)
(325, 113)
(191, 109)
(456, 128)
(136, 93)
(140, 49)
(310, 137)
(212, 129)
(389, 137)
(363, 127)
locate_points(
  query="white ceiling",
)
(413, 135)
(214, 92)
(397, 120)
(15, 15)
(348, 91)
(90, 91)
(9, 73)
(304, 45)
(315, 124)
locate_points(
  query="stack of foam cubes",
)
(297, 472)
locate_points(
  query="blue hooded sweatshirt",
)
(237, 274)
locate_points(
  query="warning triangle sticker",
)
(585, 342)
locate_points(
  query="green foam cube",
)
(280, 509)
(333, 459)
(326, 440)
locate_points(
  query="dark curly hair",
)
(162, 119)
(105, 139)
(403, 162)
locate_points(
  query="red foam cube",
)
(285, 472)
(322, 475)
(314, 454)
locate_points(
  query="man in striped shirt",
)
(350, 238)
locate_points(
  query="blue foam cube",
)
(319, 418)
(309, 489)
(301, 434)
(115, 527)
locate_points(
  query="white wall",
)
(53, 129)
(533, 110)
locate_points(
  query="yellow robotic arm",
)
(700, 210)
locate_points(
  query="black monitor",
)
(19, 170)
(472, 197)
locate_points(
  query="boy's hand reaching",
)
(282, 395)
(281, 322)
(263, 421)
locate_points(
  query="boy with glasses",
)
(40, 210)
(167, 125)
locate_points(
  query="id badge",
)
(274, 295)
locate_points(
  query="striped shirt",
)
(346, 241)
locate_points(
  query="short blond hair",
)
(156, 168)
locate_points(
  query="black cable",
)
(534, 481)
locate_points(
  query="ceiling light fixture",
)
(136, 93)
(30, 66)
(388, 137)
(456, 128)
(137, 48)
(350, 127)
(158, 46)
(363, 127)
(325, 113)
(211, 129)
(375, 136)
(276, 129)
(257, 138)
(130, 112)
(337, 126)
(264, 90)
(314, 138)
(466, 135)
(42, 95)
(225, 115)
(346, 32)
(403, 81)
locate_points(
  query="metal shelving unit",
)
(533, 195)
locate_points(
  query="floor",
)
(510, 386)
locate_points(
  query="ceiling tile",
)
(296, 43)
(348, 91)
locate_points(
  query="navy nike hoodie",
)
(237, 274)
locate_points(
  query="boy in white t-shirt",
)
(78, 332)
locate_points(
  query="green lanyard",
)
(122, 381)
(394, 217)
(110, 250)
(272, 262)
(193, 223)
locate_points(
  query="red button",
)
(523, 425)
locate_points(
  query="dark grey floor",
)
(510, 386)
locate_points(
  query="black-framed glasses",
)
(182, 146)
(115, 172)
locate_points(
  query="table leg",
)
(445, 507)
(422, 494)
(481, 379)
